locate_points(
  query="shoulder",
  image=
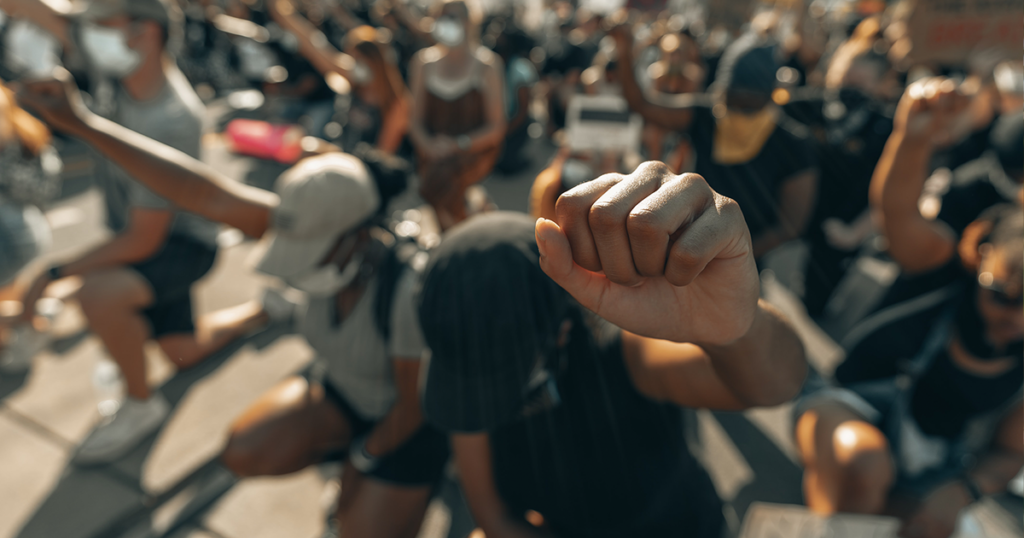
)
(489, 59)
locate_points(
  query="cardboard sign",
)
(951, 31)
(766, 520)
(602, 122)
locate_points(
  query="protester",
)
(513, 47)
(924, 243)
(458, 110)
(320, 235)
(677, 71)
(850, 119)
(30, 178)
(137, 286)
(745, 148)
(378, 111)
(938, 423)
(556, 411)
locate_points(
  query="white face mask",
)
(361, 73)
(329, 279)
(449, 32)
(107, 49)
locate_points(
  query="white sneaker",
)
(25, 342)
(134, 421)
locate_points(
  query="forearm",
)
(899, 177)
(177, 177)
(766, 366)
(673, 116)
(916, 243)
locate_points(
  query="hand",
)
(928, 110)
(57, 100)
(622, 33)
(937, 515)
(657, 254)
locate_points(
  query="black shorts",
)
(171, 273)
(420, 461)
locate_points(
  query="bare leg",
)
(112, 301)
(288, 428)
(848, 465)
(213, 331)
(371, 508)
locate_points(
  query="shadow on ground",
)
(107, 500)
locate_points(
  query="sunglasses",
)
(997, 292)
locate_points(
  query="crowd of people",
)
(550, 356)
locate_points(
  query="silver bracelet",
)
(362, 460)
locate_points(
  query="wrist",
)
(913, 142)
(360, 457)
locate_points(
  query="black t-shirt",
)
(755, 184)
(608, 462)
(945, 398)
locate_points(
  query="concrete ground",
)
(173, 486)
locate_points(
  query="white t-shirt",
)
(358, 360)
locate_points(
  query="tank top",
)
(608, 461)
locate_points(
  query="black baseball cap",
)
(489, 314)
(748, 65)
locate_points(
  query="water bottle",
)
(108, 386)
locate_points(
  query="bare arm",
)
(173, 175)
(671, 111)
(313, 45)
(764, 368)
(405, 417)
(395, 127)
(916, 243)
(473, 458)
(796, 204)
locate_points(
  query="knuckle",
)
(603, 217)
(685, 258)
(653, 170)
(644, 225)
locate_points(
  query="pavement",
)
(172, 484)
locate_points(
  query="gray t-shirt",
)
(175, 118)
(358, 360)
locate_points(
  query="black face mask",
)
(971, 330)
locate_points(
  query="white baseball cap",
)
(322, 198)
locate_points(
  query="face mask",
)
(361, 74)
(329, 279)
(107, 49)
(449, 32)
(739, 137)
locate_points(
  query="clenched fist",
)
(658, 254)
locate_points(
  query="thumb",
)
(556, 261)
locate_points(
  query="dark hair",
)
(390, 172)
